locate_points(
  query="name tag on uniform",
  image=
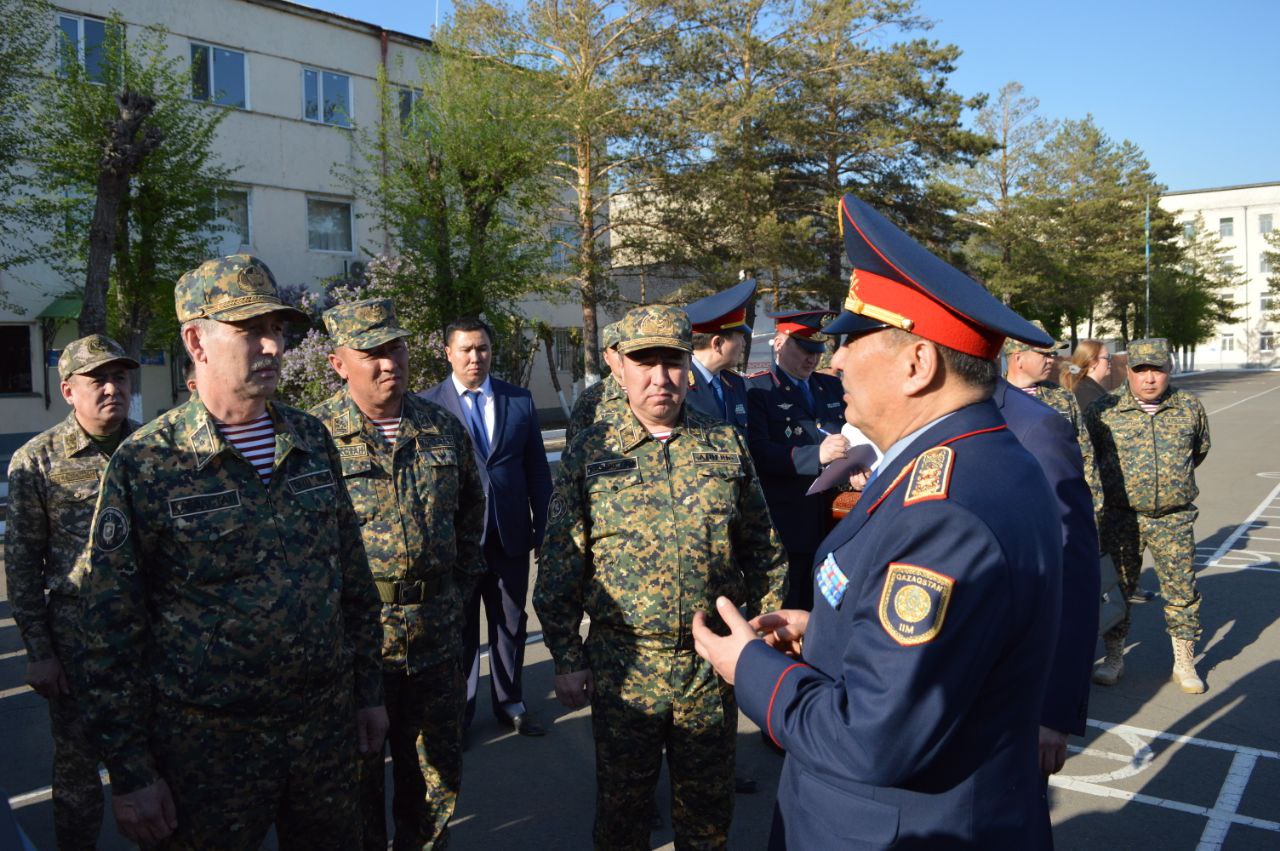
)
(353, 450)
(831, 581)
(715, 458)
(613, 465)
(311, 481)
(68, 476)
(435, 441)
(188, 506)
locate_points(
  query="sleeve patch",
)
(913, 603)
(557, 507)
(111, 530)
(930, 476)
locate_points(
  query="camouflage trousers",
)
(425, 740)
(77, 789)
(645, 701)
(233, 775)
(1126, 535)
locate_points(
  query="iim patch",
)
(111, 531)
(913, 603)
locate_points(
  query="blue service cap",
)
(902, 284)
(724, 311)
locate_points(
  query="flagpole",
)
(1147, 228)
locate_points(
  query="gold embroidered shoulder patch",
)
(931, 476)
(913, 603)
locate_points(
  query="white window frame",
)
(415, 95)
(1269, 303)
(351, 216)
(58, 15)
(1266, 342)
(1225, 224)
(248, 99)
(248, 208)
(1265, 223)
(320, 72)
(1229, 343)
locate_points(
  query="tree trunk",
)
(587, 267)
(551, 368)
(122, 155)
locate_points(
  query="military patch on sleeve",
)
(913, 603)
(558, 506)
(613, 465)
(314, 480)
(931, 476)
(111, 531)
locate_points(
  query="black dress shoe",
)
(524, 724)
(1141, 595)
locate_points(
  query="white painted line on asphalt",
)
(1184, 740)
(1245, 399)
(44, 793)
(1244, 527)
(1111, 755)
(7, 622)
(1098, 790)
(14, 692)
(1215, 832)
(14, 655)
(1242, 567)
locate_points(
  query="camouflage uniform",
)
(641, 535)
(1147, 463)
(604, 398)
(231, 624)
(53, 480)
(421, 509)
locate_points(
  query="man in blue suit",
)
(1048, 436)
(794, 415)
(507, 439)
(720, 333)
(910, 713)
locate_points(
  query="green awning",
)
(63, 307)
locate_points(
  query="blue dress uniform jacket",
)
(783, 436)
(1048, 436)
(911, 721)
(703, 399)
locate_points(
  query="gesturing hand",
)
(723, 651)
(783, 630)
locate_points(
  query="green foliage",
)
(24, 40)
(461, 188)
(165, 225)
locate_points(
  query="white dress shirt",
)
(467, 402)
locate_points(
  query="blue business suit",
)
(929, 745)
(1050, 439)
(703, 399)
(783, 436)
(517, 487)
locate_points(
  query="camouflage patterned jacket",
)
(421, 509)
(53, 482)
(1064, 402)
(605, 397)
(209, 588)
(641, 534)
(1148, 461)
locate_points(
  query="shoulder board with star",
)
(930, 476)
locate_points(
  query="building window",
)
(408, 99)
(1266, 342)
(15, 359)
(1226, 227)
(83, 40)
(1264, 223)
(1189, 231)
(233, 220)
(1264, 263)
(326, 97)
(328, 225)
(1270, 303)
(566, 350)
(1229, 343)
(217, 76)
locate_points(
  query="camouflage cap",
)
(1012, 346)
(1153, 351)
(656, 326)
(363, 325)
(230, 289)
(609, 336)
(89, 353)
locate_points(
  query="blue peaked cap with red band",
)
(898, 282)
(722, 312)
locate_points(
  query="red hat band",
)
(912, 309)
(731, 321)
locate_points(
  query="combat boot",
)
(1184, 666)
(1112, 667)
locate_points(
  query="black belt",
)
(407, 593)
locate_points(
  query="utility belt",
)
(408, 593)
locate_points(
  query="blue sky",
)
(1196, 85)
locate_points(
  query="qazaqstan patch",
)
(111, 531)
(913, 603)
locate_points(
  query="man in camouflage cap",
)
(655, 513)
(606, 396)
(233, 665)
(413, 480)
(1150, 437)
(53, 480)
(1027, 368)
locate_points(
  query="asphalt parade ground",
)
(1157, 768)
